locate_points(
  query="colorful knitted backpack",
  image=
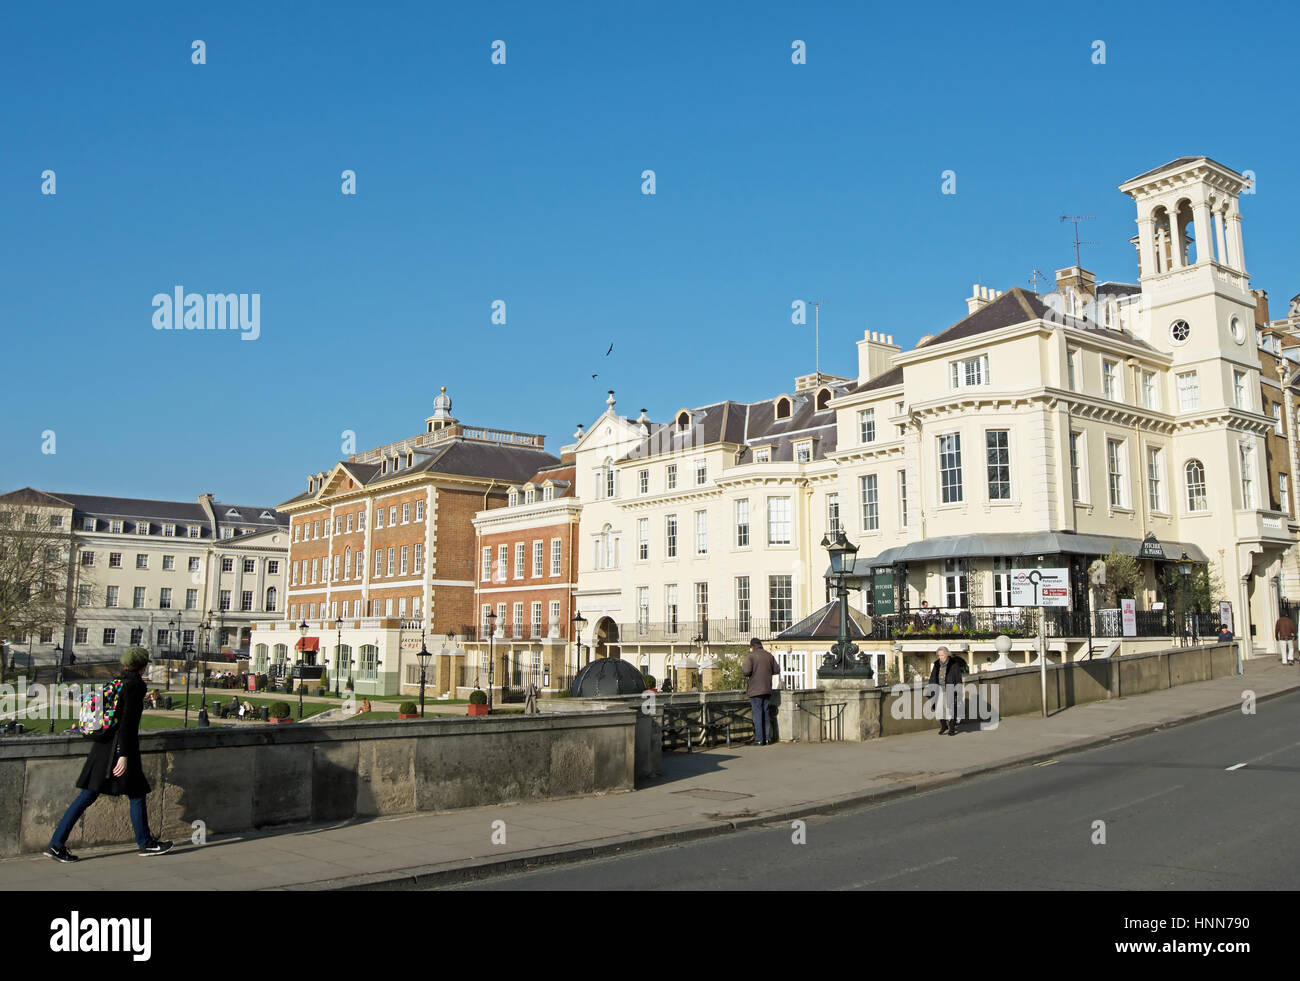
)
(99, 709)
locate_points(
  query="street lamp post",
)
(1185, 567)
(578, 623)
(338, 656)
(845, 659)
(492, 634)
(302, 633)
(423, 656)
(51, 699)
(184, 651)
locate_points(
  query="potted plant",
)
(478, 702)
(280, 713)
(407, 710)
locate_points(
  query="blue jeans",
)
(139, 819)
(758, 708)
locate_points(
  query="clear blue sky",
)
(521, 182)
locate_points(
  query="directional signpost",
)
(1041, 588)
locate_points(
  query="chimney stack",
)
(981, 296)
(875, 354)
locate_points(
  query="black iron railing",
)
(982, 623)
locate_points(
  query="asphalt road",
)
(1180, 812)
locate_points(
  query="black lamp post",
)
(1185, 567)
(172, 637)
(185, 651)
(424, 656)
(302, 633)
(338, 655)
(492, 633)
(203, 671)
(578, 623)
(845, 659)
(51, 698)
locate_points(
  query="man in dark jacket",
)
(113, 766)
(759, 667)
(946, 676)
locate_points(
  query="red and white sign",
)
(1128, 617)
(1040, 587)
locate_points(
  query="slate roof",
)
(750, 424)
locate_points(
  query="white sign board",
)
(1225, 614)
(1128, 615)
(1040, 587)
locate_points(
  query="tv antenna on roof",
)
(1035, 276)
(817, 334)
(1076, 219)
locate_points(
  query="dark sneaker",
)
(156, 847)
(60, 854)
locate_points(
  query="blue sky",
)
(522, 182)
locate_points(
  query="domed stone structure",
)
(607, 676)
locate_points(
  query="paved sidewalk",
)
(704, 793)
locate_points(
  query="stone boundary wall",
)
(239, 779)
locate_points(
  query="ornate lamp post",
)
(172, 637)
(845, 659)
(302, 633)
(1185, 568)
(423, 657)
(203, 671)
(578, 623)
(51, 698)
(184, 652)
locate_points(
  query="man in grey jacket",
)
(759, 667)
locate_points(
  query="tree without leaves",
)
(36, 566)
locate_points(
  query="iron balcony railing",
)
(726, 631)
(1021, 622)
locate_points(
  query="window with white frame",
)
(950, 485)
(902, 498)
(671, 476)
(553, 615)
(701, 472)
(519, 560)
(1155, 478)
(1115, 473)
(971, 371)
(742, 604)
(701, 533)
(670, 536)
(1277, 418)
(763, 455)
(539, 558)
(419, 559)
(1283, 493)
(670, 608)
(1076, 481)
(803, 451)
(643, 481)
(1240, 391)
(780, 602)
(379, 562)
(1189, 391)
(1110, 387)
(502, 560)
(997, 450)
(1003, 566)
(867, 425)
(555, 556)
(642, 539)
(955, 583)
(833, 514)
(405, 554)
(419, 512)
(379, 517)
(742, 523)
(643, 608)
(1071, 369)
(406, 513)
(778, 521)
(535, 619)
(1246, 461)
(869, 499)
(1150, 393)
(142, 561)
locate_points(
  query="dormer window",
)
(683, 421)
(763, 455)
(548, 493)
(514, 497)
(824, 399)
(783, 407)
(530, 496)
(383, 466)
(803, 451)
(410, 460)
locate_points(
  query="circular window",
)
(1238, 332)
(1179, 331)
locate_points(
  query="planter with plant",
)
(408, 710)
(478, 702)
(280, 712)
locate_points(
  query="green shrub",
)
(648, 678)
(407, 708)
(476, 697)
(279, 710)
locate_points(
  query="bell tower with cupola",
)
(1191, 264)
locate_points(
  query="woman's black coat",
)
(952, 671)
(123, 740)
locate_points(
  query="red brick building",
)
(383, 552)
(526, 575)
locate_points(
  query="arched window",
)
(783, 408)
(514, 497)
(1195, 474)
(271, 597)
(343, 661)
(683, 420)
(279, 655)
(410, 460)
(607, 547)
(259, 659)
(369, 666)
(823, 399)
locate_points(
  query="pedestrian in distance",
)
(113, 766)
(945, 679)
(759, 668)
(1284, 634)
(1225, 635)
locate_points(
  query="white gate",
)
(795, 666)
